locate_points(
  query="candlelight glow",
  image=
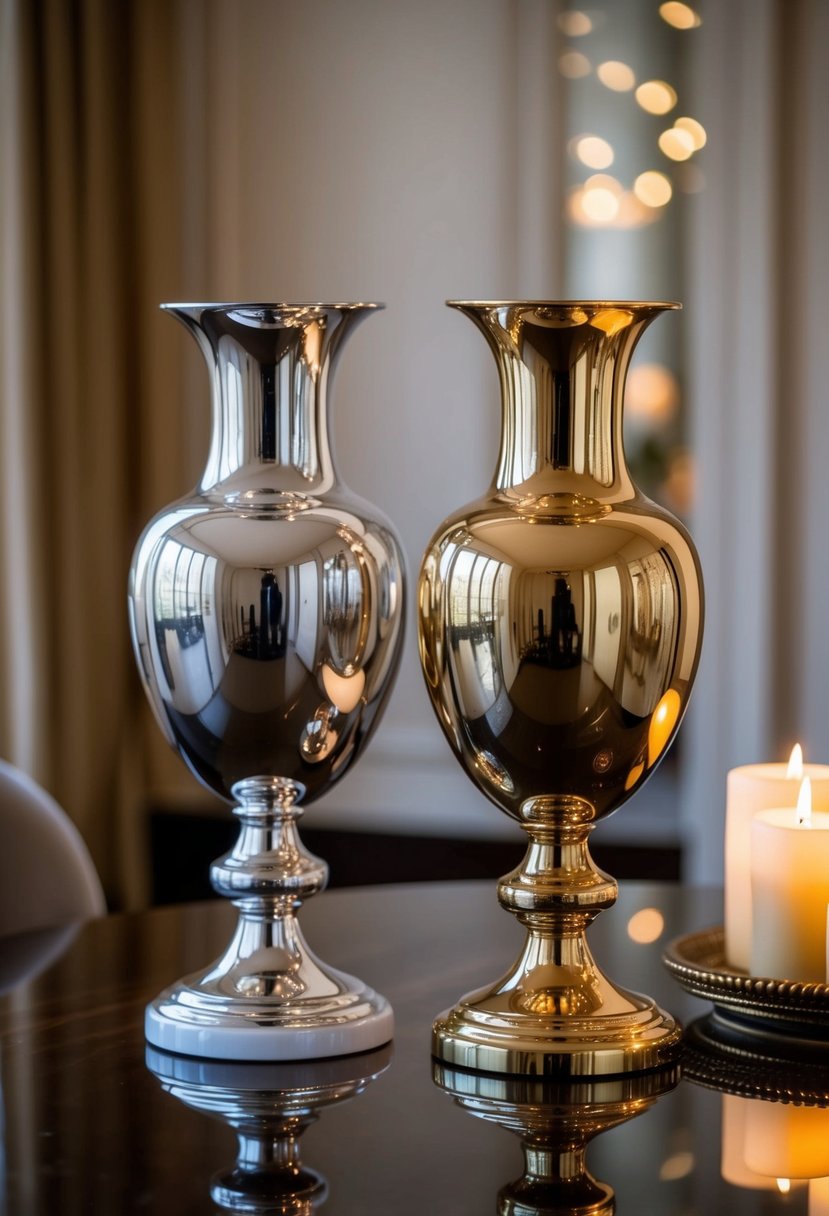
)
(795, 768)
(678, 1165)
(616, 75)
(664, 720)
(344, 692)
(804, 803)
(612, 320)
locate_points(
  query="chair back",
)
(47, 877)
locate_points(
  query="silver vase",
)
(266, 611)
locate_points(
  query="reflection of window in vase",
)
(632, 154)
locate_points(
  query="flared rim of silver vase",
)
(266, 611)
(560, 623)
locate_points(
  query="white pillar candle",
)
(790, 892)
(753, 788)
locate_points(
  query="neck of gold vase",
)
(562, 369)
(269, 368)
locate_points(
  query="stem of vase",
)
(268, 997)
(555, 1013)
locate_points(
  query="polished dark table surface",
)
(88, 1128)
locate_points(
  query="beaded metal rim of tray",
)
(697, 962)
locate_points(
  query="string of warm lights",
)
(602, 200)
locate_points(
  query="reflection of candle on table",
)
(753, 788)
(819, 1197)
(786, 1141)
(733, 1162)
(790, 892)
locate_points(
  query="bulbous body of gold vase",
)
(560, 623)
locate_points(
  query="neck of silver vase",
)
(270, 425)
(269, 368)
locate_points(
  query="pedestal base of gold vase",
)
(483, 1032)
(555, 1014)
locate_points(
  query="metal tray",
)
(757, 1004)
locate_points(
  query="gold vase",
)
(560, 622)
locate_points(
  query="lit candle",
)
(753, 788)
(790, 892)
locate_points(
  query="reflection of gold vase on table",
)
(555, 1122)
(560, 628)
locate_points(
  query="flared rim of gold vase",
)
(663, 305)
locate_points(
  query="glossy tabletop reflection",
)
(94, 1123)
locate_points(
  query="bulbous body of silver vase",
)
(266, 611)
(560, 622)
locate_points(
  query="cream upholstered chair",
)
(47, 877)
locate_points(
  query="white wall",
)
(407, 153)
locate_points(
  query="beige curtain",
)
(96, 230)
(758, 358)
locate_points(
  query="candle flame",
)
(795, 769)
(784, 1185)
(804, 803)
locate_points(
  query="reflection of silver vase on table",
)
(269, 1106)
(266, 612)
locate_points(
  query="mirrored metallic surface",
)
(269, 1106)
(266, 611)
(555, 1122)
(560, 623)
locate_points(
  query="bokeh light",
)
(676, 144)
(680, 16)
(600, 204)
(594, 152)
(573, 64)
(646, 926)
(656, 96)
(616, 75)
(574, 24)
(653, 188)
(695, 129)
(651, 393)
